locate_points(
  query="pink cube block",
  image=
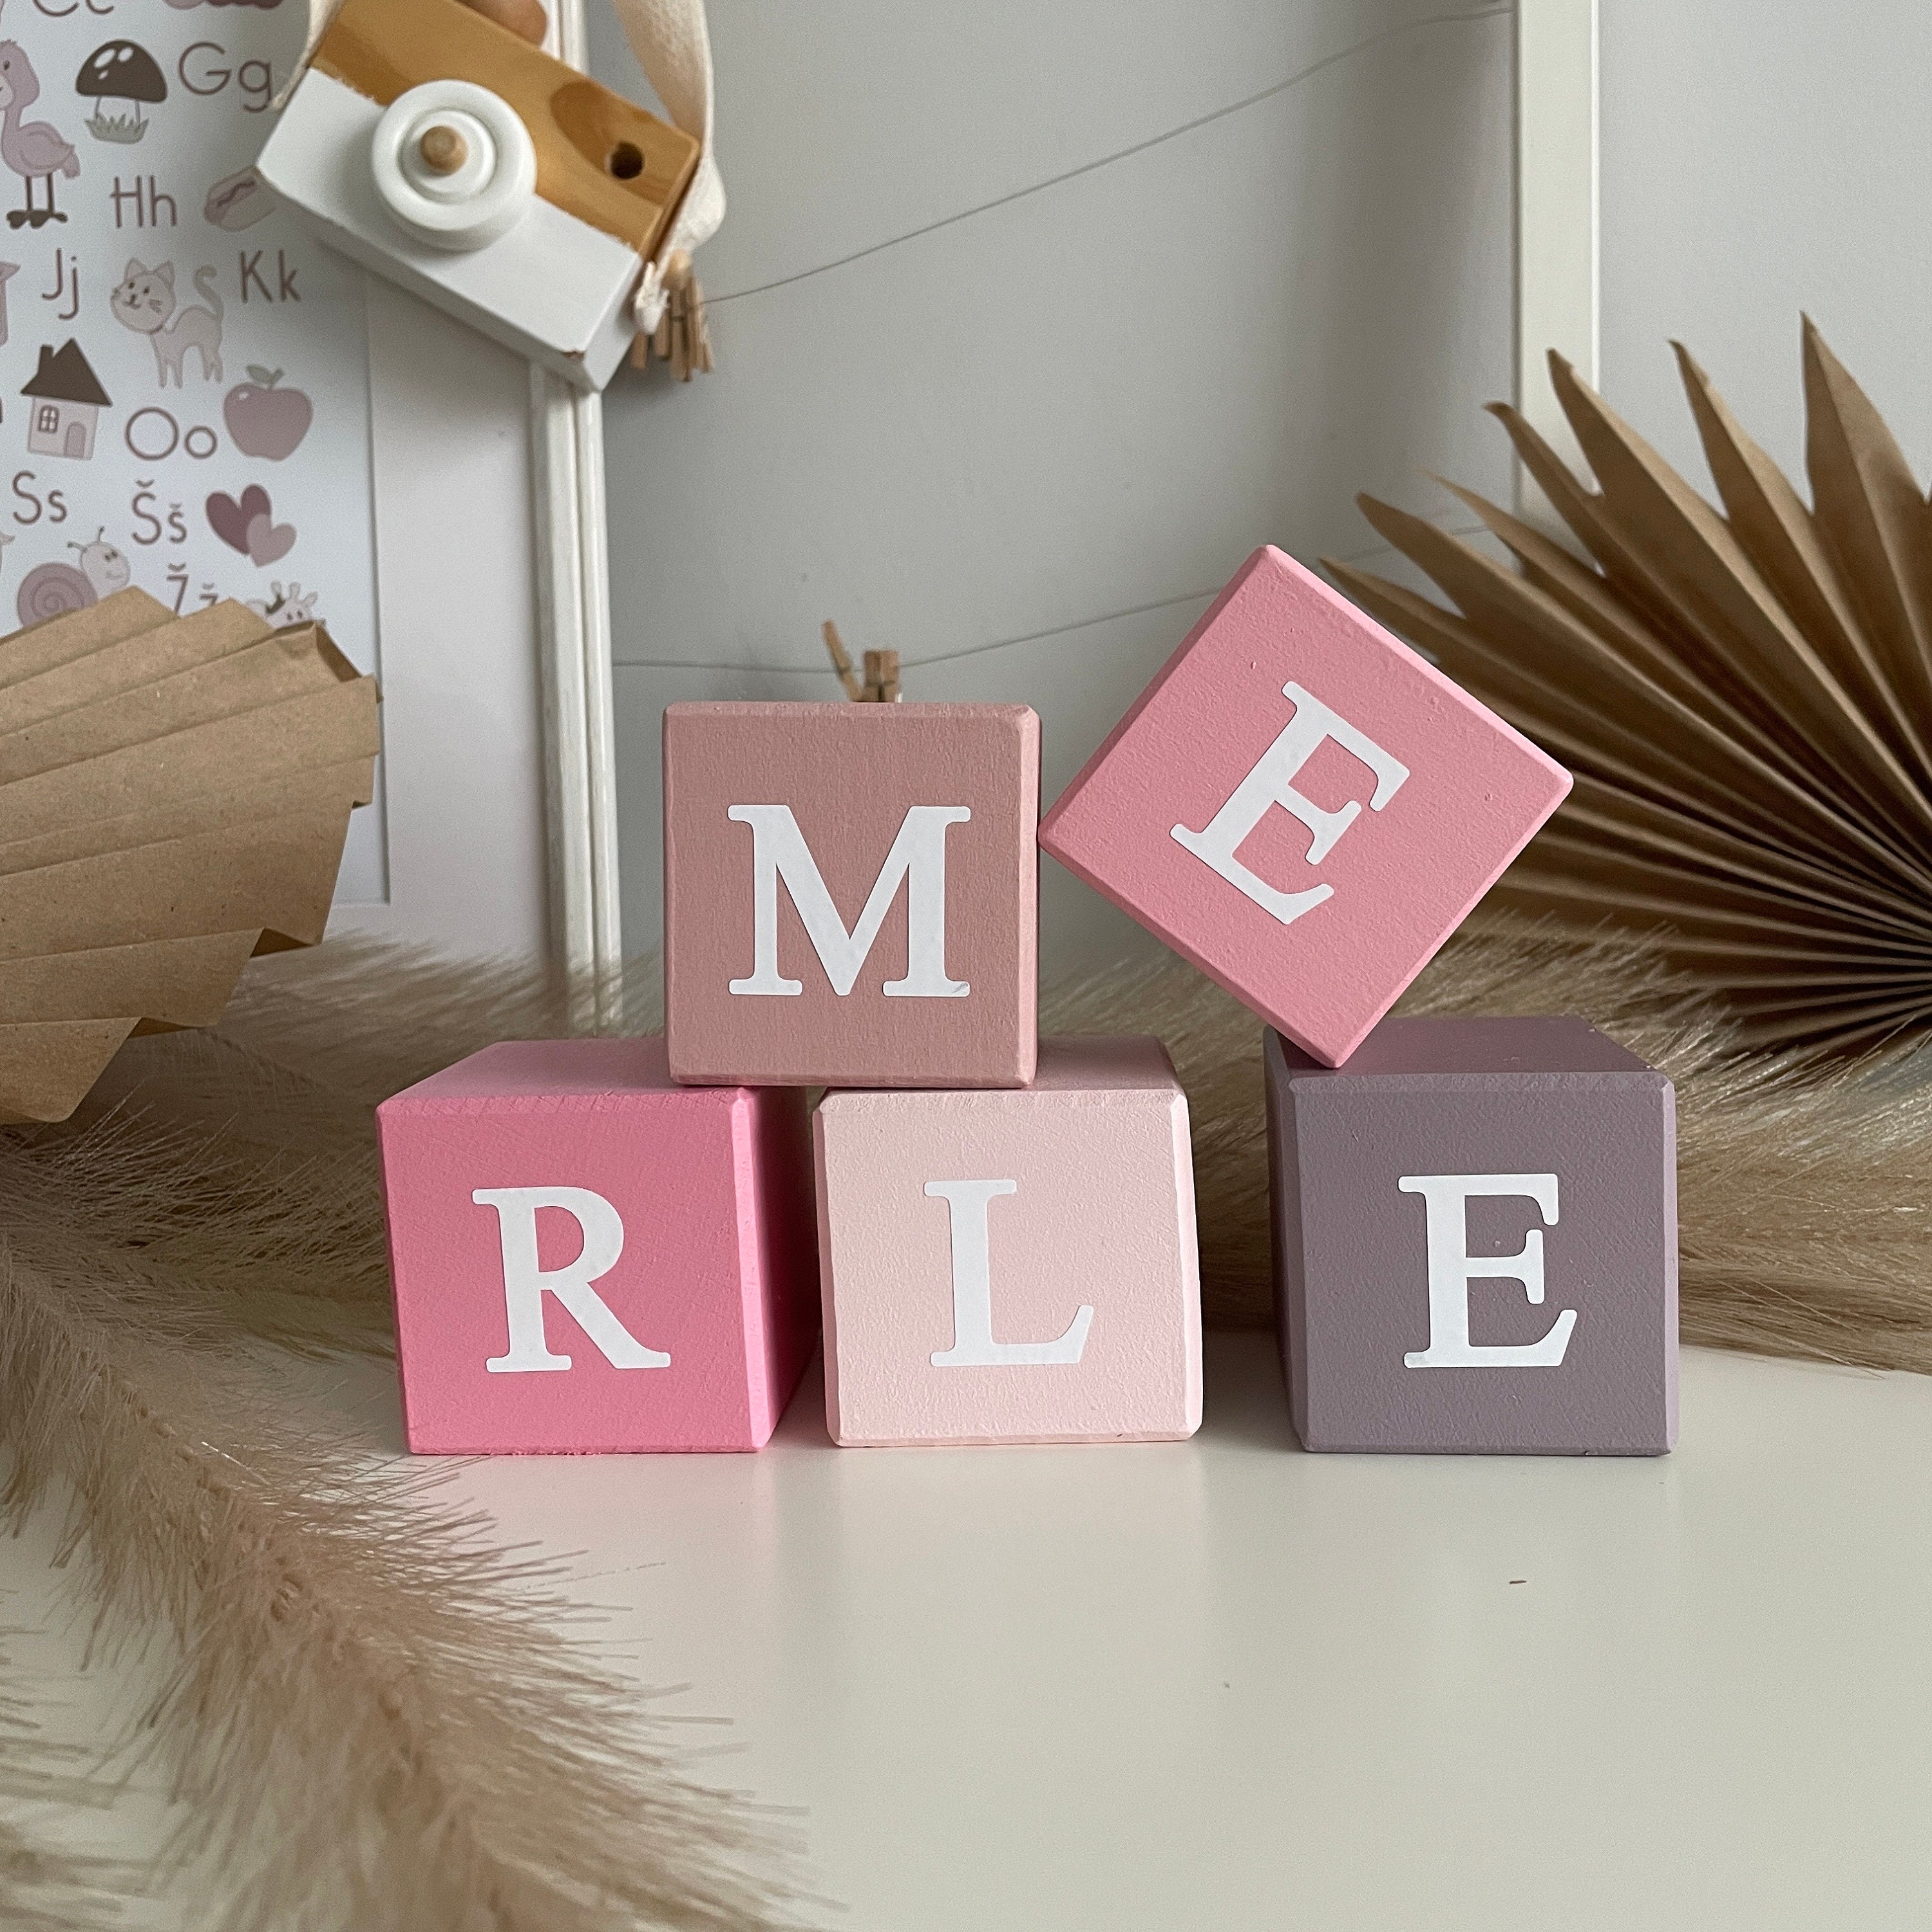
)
(851, 893)
(1013, 1267)
(1303, 806)
(589, 1258)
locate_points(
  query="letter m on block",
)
(917, 858)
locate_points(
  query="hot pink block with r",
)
(1303, 806)
(1015, 1266)
(587, 1257)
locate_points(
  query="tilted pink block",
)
(1017, 1267)
(587, 1257)
(1303, 806)
(851, 893)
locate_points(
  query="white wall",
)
(1761, 157)
(1032, 322)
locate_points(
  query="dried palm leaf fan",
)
(1745, 697)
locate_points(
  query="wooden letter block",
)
(1303, 806)
(589, 1258)
(851, 894)
(1475, 1235)
(1013, 1267)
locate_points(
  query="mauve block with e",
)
(1303, 806)
(1013, 1267)
(851, 894)
(1475, 1240)
(589, 1258)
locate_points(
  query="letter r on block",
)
(525, 1284)
(1445, 1199)
(918, 857)
(1271, 783)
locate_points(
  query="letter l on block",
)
(525, 1283)
(918, 857)
(973, 1344)
(1271, 783)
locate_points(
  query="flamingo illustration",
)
(35, 151)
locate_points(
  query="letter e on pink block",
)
(1303, 806)
(587, 1257)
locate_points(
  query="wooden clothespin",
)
(881, 682)
(841, 662)
(882, 677)
(683, 337)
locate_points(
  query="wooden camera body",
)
(507, 189)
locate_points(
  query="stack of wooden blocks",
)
(609, 1244)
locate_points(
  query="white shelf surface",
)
(1224, 1683)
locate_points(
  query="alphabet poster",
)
(183, 371)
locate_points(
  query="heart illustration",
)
(268, 541)
(230, 520)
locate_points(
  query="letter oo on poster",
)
(155, 441)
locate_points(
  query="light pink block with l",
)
(1055, 1223)
(1303, 806)
(925, 813)
(687, 1210)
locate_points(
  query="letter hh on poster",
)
(1271, 783)
(973, 1344)
(918, 857)
(525, 1283)
(1445, 1198)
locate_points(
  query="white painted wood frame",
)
(573, 583)
(1557, 246)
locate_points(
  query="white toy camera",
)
(503, 187)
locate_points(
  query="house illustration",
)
(67, 400)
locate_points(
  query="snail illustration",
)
(52, 589)
(286, 608)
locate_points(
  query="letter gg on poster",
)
(1476, 1240)
(1016, 1266)
(589, 1258)
(1303, 806)
(850, 894)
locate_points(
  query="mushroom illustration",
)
(119, 70)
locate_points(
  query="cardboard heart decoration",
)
(267, 541)
(230, 520)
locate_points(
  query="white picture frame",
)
(1557, 265)
(502, 827)
(573, 581)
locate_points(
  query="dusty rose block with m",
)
(588, 1257)
(1475, 1231)
(1302, 806)
(851, 893)
(1013, 1267)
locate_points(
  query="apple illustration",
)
(263, 420)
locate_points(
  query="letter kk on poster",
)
(184, 373)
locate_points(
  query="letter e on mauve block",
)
(1475, 1240)
(1303, 806)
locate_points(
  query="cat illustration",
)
(145, 301)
